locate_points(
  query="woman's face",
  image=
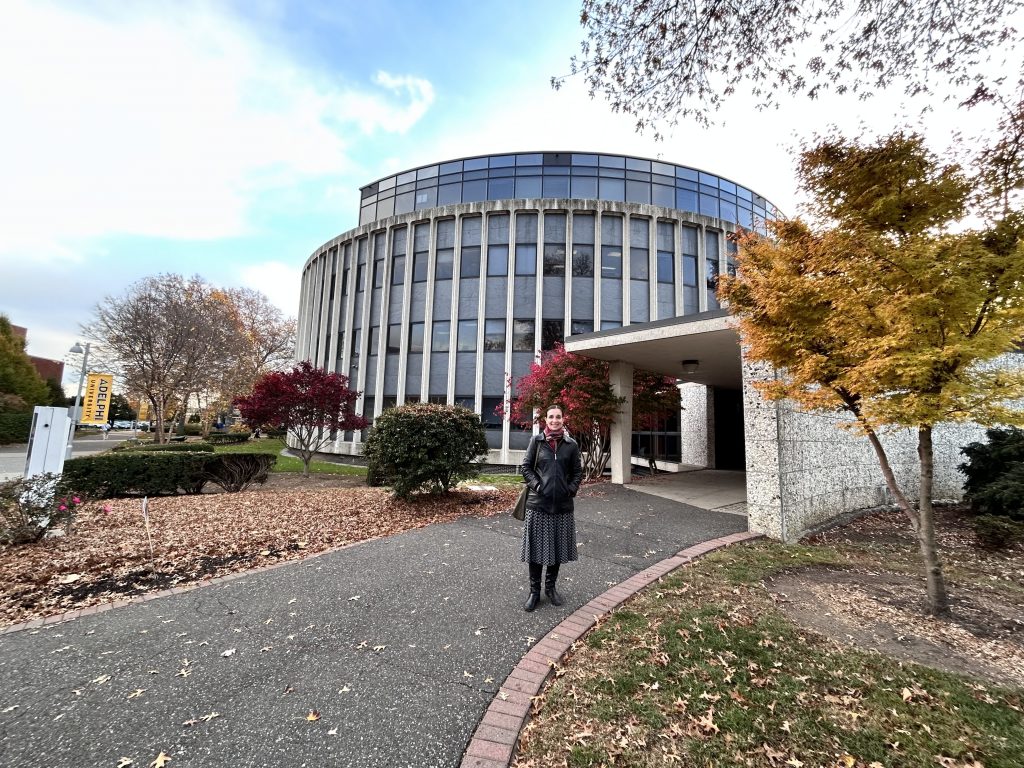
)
(553, 420)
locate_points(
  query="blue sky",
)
(230, 139)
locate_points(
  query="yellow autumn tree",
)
(888, 307)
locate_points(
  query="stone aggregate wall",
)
(804, 469)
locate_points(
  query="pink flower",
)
(76, 500)
(106, 508)
(63, 507)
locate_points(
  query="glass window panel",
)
(501, 173)
(394, 338)
(474, 163)
(528, 186)
(497, 260)
(500, 188)
(707, 178)
(440, 340)
(404, 202)
(494, 335)
(554, 258)
(663, 196)
(637, 176)
(582, 326)
(665, 169)
(526, 228)
(529, 170)
(502, 161)
(746, 218)
(666, 236)
(416, 337)
(419, 267)
(728, 210)
(666, 273)
(447, 194)
(611, 230)
(607, 325)
(612, 189)
(444, 269)
(709, 206)
(612, 173)
(405, 178)
(532, 159)
(686, 200)
(727, 186)
(360, 271)
(446, 233)
(367, 213)
(612, 161)
(689, 240)
(686, 173)
(638, 192)
(398, 236)
(636, 164)
(426, 198)
(638, 263)
(452, 167)
(690, 270)
(386, 208)
(378, 273)
(471, 227)
(743, 193)
(467, 336)
(472, 175)
(556, 186)
(427, 173)
(552, 333)
(474, 191)
(611, 261)
(398, 270)
(374, 346)
(584, 159)
(526, 259)
(522, 335)
(450, 178)
(470, 261)
(388, 183)
(582, 260)
(584, 187)
(497, 228)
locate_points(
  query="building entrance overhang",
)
(709, 339)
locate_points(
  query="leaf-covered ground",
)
(710, 667)
(107, 556)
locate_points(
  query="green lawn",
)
(290, 463)
(704, 670)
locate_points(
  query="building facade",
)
(461, 272)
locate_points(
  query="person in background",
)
(105, 429)
(553, 471)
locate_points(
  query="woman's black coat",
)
(554, 482)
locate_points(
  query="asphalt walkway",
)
(399, 645)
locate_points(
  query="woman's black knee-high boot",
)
(549, 585)
(534, 598)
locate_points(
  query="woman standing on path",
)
(553, 472)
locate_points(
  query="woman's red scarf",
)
(553, 436)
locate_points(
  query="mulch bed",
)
(107, 555)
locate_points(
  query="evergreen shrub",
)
(227, 438)
(201, 447)
(15, 427)
(237, 471)
(142, 473)
(995, 474)
(424, 447)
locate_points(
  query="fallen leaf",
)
(101, 679)
(332, 732)
(136, 693)
(12, 708)
(848, 760)
(124, 762)
(313, 716)
(70, 578)
(190, 722)
(161, 761)
(209, 717)
(229, 652)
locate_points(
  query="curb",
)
(494, 741)
(103, 607)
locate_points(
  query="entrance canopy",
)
(708, 339)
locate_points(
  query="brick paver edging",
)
(93, 609)
(494, 741)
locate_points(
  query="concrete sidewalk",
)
(398, 644)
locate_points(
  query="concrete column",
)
(621, 377)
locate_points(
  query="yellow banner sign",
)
(143, 410)
(99, 388)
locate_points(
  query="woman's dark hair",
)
(554, 405)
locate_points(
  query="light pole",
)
(77, 350)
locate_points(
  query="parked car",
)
(121, 424)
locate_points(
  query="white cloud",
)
(278, 281)
(165, 123)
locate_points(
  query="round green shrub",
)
(425, 447)
(997, 532)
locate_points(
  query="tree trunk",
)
(938, 600)
(890, 480)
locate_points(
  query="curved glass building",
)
(461, 272)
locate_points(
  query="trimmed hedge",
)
(175, 447)
(164, 473)
(997, 532)
(15, 427)
(227, 438)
